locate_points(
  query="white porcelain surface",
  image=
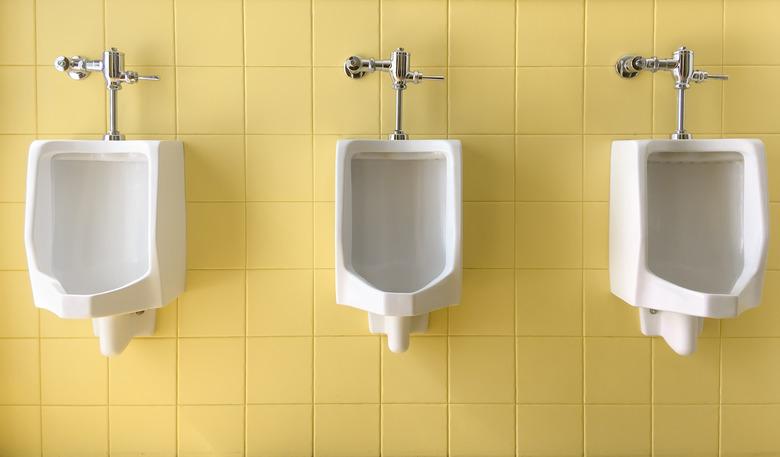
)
(688, 232)
(398, 231)
(105, 232)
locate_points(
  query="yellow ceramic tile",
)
(333, 41)
(763, 320)
(324, 167)
(20, 362)
(149, 108)
(53, 326)
(60, 424)
(279, 235)
(279, 302)
(549, 235)
(704, 35)
(279, 370)
(482, 430)
(211, 371)
(152, 47)
(13, 166)
(749, 376)
(324, 228)
(773, 256)
(750, 34)
(278, 100)
(213, 304)
(286, 430)
(58, 94)
(549, 430)
(747, 109)
(343, 105)
(167, 320)
(142, 430)
(17, 32)
(17, 90)
(418, 375)
(272, 19)
(487, 304)
(605, 313)
(214, 167)
(602, 422)
(20, 430)
(595, 234)
(605, 91)
(85, 40)
(603, 24)
(215, 235)
(12, 255)
(61, 384)
(489, 110)
(549, 100)
(549, 33)
(196, 46)
(702, 105)
(548, 168)
(481, 369)
(210, 100)
(346, 431)
(686, 380)
(685, 430)
(487, 235)
(750, 430)
(617, 370)
(488, 161)
(549, 302)
(424, 105)
(145, 374)
(21, 319)
(279, 167)
(211, 430)
(414, 430)
(549, 370)
(482, 33)
(418, 26)
(772, 145)
(330, 318)
(346, 369)
(597, 151)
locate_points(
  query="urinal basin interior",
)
(98, 235)
(398, 213)
(695, 218)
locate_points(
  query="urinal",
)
(398, 231)
(105, 232)
(688, 232)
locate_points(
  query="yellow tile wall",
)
(256, 359)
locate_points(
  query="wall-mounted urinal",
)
(105, 225)
(689, 222)
(398, 221)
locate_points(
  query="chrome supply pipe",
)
(398, 65)
(682, 69)
(112, 66)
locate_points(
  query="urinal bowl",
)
(688, 232)
(398, 232)
(105, 232)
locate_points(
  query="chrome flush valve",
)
(681, 67)
(113, 68)
(398, 65)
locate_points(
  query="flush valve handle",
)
(701, 76)
(132, 77)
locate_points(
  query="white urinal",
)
(398, 231)
(105, 233)
(688, 232)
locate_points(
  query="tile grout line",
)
(582, 233)
(245, 428)
(177, 425)
(313, 191)
(652, 339)
(515, 341)
(720, 327)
